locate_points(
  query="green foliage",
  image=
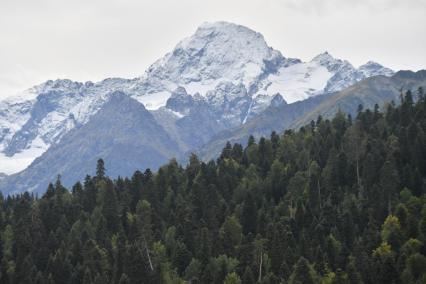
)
(232, 278)
(303, 273)
(248, 277)
(339, 201)
(231, 234)
(415, 268)
(391, 231)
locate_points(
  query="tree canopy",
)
(338, 201)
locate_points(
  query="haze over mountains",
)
(222, 83)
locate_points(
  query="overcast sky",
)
(91, 40)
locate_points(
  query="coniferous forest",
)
(338, 201)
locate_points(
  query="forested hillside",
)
(338, 201)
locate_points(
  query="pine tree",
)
(232, 278)
(249, 215)
(248, 277)
(303, 273)
(100, 169)
(110, 208)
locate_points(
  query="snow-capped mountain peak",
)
(224, 72)
(324, 58)
(332, 64)
(215, 52)
(372, 68)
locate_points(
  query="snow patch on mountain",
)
(40, 116)
(299, 81)
(19, 161)
(154, 101)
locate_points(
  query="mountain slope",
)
(375, 90)
(123, 133)
(39, 117)
(368, 92)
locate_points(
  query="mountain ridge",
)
(368, 92)
(228, 72)
(123, 128)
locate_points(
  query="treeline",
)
(339, 201)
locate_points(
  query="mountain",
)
(220, 78)
(368, 92)
(40, 116)
(123, 133)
